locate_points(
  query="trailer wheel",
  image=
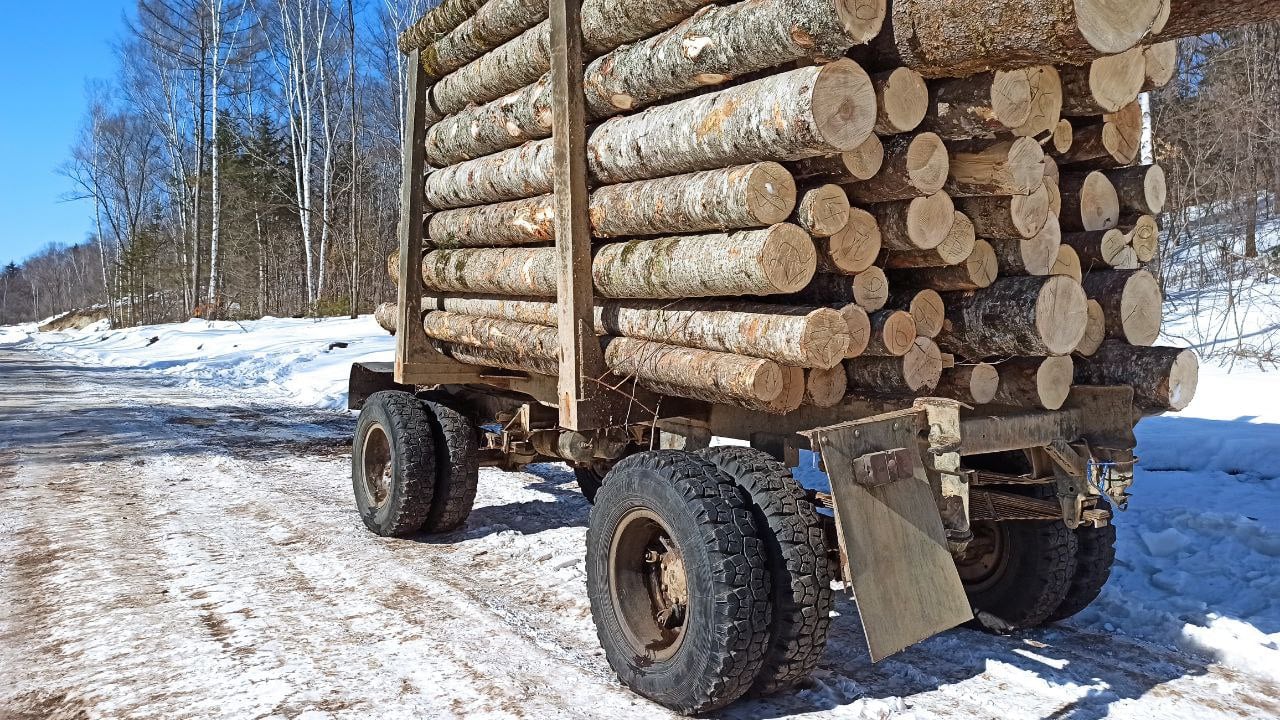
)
(458, 469)
(1016, 573)
(393, 464)
(678, 583)
(1095, 554)
(590, 479)
(798, 565)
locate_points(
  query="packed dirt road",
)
(168, 552)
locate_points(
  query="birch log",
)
(1042, 383)
(858, 323)
(1016, 316)
(1162, 378)
(902, 98)
(971, 384)
(1008, 217)
(1005, 167)
(746, 196)
(861, 163)
(385, 316)
(1131, 302)
(436, 22)
(709, 376)
(854, 248)
(789, 116)
(956, 38)
(823, 210)
(493, 23)
(914, 166)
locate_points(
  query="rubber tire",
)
(1036, 579)
(798, 565)
(710, 520)
(589, 482)
(457, 472)
(407, 425)
(1095, 555)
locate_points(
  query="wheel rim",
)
(648, 585)
(376, 454)
(986, 558)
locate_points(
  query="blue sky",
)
(48, 49)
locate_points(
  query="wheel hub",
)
(986, 556)
(377, 465)
(649, 585)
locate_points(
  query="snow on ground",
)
(1199, 548)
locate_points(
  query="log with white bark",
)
(1102, 249)
(956, 38)
(914, 166)
(512, 342)
(797, 114)
(954, 249)
(436, 22)
(1035, 382)
(861, 163)
(858, 323)
(1162, 378)
(701, 374)
(825, 388)
(1068, 264)
(1131, 302)
(917, 371)
(1141, 189)
(746, 196)
(493, 23)
(1103, 86)
(1144, 238)
(893, 332)
(977, 271)
(1161, 62)
(918, 224)
(790, 335)
(1003, 167)
(854, 248)
(1112, 140)
(386, 317)
(1095, 331)
(974, 384)
(1189, 18)
(1089, 202)
(1008, 217)
(792, 395)
(489, 358)
(1016, 316)
(1029, 256)
(822, 211)
(902, 98)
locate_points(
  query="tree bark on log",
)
(1016, 316)
(917, 371)
(527, 272)
(955, 249)
(1141, 189)
(514, 343)
(385, 316)
(1131, 302)
(789, 116)
(489, 358)
(709, 376)
(854, 248)
(733, 198)
(520, 63)
(1189, 18)
(1055, 194)
(918, 224)
(893, 333)
(858, 323)
(825, 388)
(970, 384)
(950, 38)
(1095, 331)
(436, 22)
(902, 98)
(777, 260)
(1102, 249)
(493, 23)
(1162, 378)
(1006, 167)
(861, 163)
(1103, 86)
(976, 272)
(1068, 264)
(914, 166)
(1111, 141)
(1089, 202)
(868, 289)
(822, 211)
(1029, 256)
(790, 335)
(1008, 217)
(986, 106)
(1034, 382)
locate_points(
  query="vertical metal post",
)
(580, 358)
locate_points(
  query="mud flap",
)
(892, 541)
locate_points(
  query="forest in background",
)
(245, 159)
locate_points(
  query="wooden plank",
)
(417, 362)
(892, 538)
(581, 361)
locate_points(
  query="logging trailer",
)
(710, 570)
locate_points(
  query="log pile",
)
(801, 201)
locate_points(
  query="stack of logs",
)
(797, 201)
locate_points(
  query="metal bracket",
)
(882, 468)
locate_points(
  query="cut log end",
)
(858, 323)
(1144, 238)
(823, 211)
(1067, 264)
(1113, 27)
(893, 332)
(929, 220)
(1053, 381)
(1061, 314)
(862, 19)
(960, 241)
(1029, 213)
(825, 388)
(871, 289)
(1091, 203)
(1184, 376)
(1140, 309)
(1095, 330)
(789, 258)
(826, 338)
(771, 193)
(922, 366)
(843, 103)
(1045, 110)
(903, 100)
(854, 248)
(984, 381)
(1161, 63)
(928, 312)
(864, 161)
(927, 163)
